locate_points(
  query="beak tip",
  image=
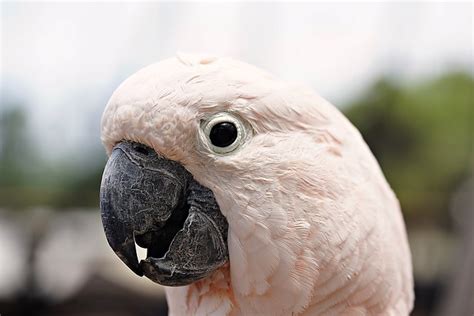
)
(124, 248)
(131, 262)
(138, 270)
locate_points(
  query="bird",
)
(252, 195)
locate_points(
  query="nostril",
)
(142, 150)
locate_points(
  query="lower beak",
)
(155, 202)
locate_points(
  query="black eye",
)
(223, 134)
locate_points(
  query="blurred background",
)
(402, 73)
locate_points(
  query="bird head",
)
(215, 162)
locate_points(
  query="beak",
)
(156, 203)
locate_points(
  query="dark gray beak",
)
(156, 203)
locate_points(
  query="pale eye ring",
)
(224, 132)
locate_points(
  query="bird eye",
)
(224, 132)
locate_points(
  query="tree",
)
(422, 137)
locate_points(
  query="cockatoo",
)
(253, 196)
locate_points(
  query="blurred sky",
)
(62, 61)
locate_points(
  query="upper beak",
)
(156, 203)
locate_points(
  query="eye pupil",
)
(223, 134)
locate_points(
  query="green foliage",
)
(27, 181)
(14, 145)
(422, 138)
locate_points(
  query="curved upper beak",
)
(156, 203)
